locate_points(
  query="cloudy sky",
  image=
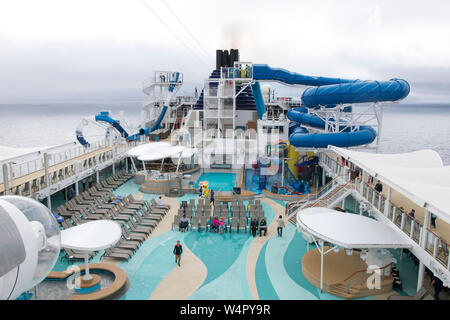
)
(64, 50)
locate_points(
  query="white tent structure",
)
(91, 236)
(348, 231)
(160, 151)
(419, 176)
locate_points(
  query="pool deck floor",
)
(228, 266)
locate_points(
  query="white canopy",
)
(419, 176)
(91, 236)
(349, 230)
(147, 148)
(165, 152)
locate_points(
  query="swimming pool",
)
(218, 180)
(252, 182)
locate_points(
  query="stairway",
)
(244, 101)
(327, 200)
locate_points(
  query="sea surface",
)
(406, 127)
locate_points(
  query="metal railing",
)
(435, 245)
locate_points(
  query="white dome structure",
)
(30, 242)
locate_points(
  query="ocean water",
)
(406, 127)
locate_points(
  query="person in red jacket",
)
(177, 251)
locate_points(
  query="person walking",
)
(281, 225)
(212, 197)
(438, 285)
(177, 251)
(254, 226)
(263, 227)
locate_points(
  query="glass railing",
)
(434, 245)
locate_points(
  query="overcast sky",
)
(60, 50)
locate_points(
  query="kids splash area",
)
(268, 197)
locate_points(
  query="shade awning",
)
(166, 152)
(349, 230)
(91, 236)
(146, 148)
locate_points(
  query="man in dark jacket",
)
(379, 187)
(254, 226)
(177, 251)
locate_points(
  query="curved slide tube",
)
(101, 117)
(156, 125)
(347, 138)
(331, 91)
(335, 90)
(259, 101)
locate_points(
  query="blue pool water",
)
(218, 181)
(252, 181)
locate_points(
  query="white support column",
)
(388, 201)
(6, 180)
(363, 179)
(77, 191)
(113, 167)
(323, 176)
(97, 176)
(420, 276)
(47, 180)
(321, 264)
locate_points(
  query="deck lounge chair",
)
(135, 236)
(134, 200)
(155, 205)
(117, 254)
(75, 255)
(195, 222)
(77, 220)
(153, 212)
(242, 224)
(127, 244)
(139, 228)
(90, 216)
(204, 223)
(115, 215)
(150, 216)
(145, 222)
(123, 210)
(176, 221)
(129, 205)
(234, 224)
(95, 210)
(150, 208)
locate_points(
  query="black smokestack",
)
(225, 59)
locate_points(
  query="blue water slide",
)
(104, 117)
(356, 92)
(259, 101)
(157, 124)
(263, 72)
(347, 138)
(330, 92)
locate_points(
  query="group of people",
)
(263, 226)
(218, 225)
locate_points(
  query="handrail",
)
(290, 204)
(334, 192)
(365, 270)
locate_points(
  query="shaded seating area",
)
(236, 214)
